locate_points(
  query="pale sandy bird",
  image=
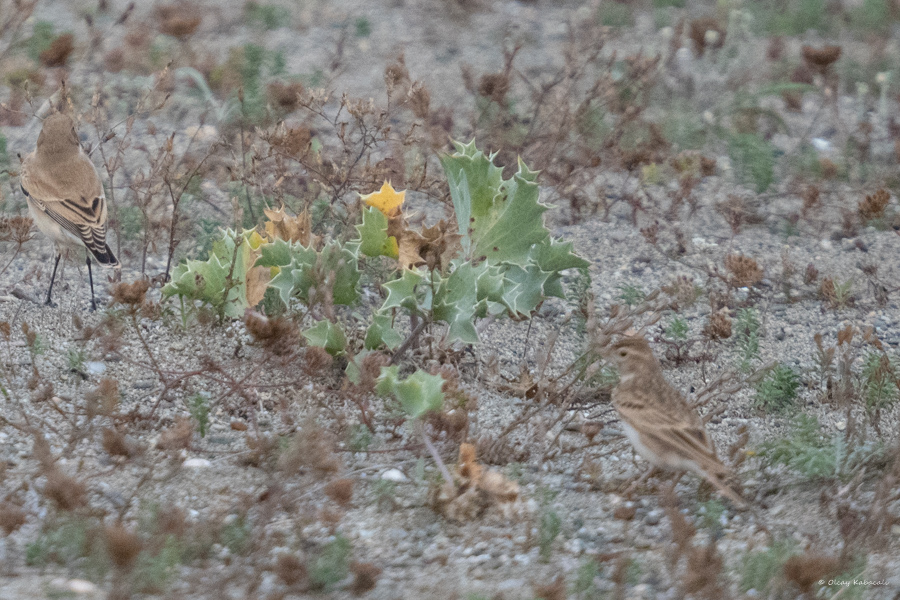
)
(65, 196)
(663, 428)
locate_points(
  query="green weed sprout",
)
(778, 390)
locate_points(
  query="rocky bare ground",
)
(390, 522)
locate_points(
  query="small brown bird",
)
(663, 428)
(65, 197)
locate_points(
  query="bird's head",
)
(631, 354)
(58, 136)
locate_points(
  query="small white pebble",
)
(81, 586)
(821, 145)
(95, 368)
(395, 475)
(196, 463)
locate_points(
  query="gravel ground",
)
(422, 554)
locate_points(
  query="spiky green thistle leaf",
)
(418, 394)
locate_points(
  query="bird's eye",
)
(623, 353)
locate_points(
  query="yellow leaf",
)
(255, 240)
(387, 200)
(391, 248)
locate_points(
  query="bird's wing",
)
(71, 195)
(672, 426)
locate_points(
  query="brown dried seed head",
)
(179, 21)
(396, 73)
(103, 399)
(178, 436)
(285, 95)
(66, 492)
(554, 590)
(819, 59)
(340, 490)
(16, 229)
(122, 545)
(719, 325)
(365, 577)
(494, 86)
(130, 294)
(829, 168)
(420, 100)
(114, 443)
(290, 569)
(811, 196)
(11, 517)
(811, 274)
(57, 54)
(278, 335)
(873, 206)
(806, 569)
(745, 272)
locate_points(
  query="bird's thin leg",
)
(91, 280)
(641, 480)
(49, 302)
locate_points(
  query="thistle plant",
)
(497, 260)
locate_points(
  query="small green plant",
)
(154, 570)
(584, 585)
(762, 569)
(362, 27)
(879, 380)
(76, 358)
(360, 438)
(515, 471)
(235, 534)
(842, 293)
(754, 159)
(711, 513)
(267, 16)
(746, 335)
(871, 16)
(332, 564)
(63, 543)
(615, 14)
(198, 406)
(42, 35)
(778, 390)
(38, 347)
(549, 523)
(677, 329)
(816, 456)
(384, 491)
(795, 17)
(630, 295)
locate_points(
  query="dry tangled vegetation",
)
(301, 386)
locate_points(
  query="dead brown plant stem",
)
(445, 472)
(244, 157)
(410, 340)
